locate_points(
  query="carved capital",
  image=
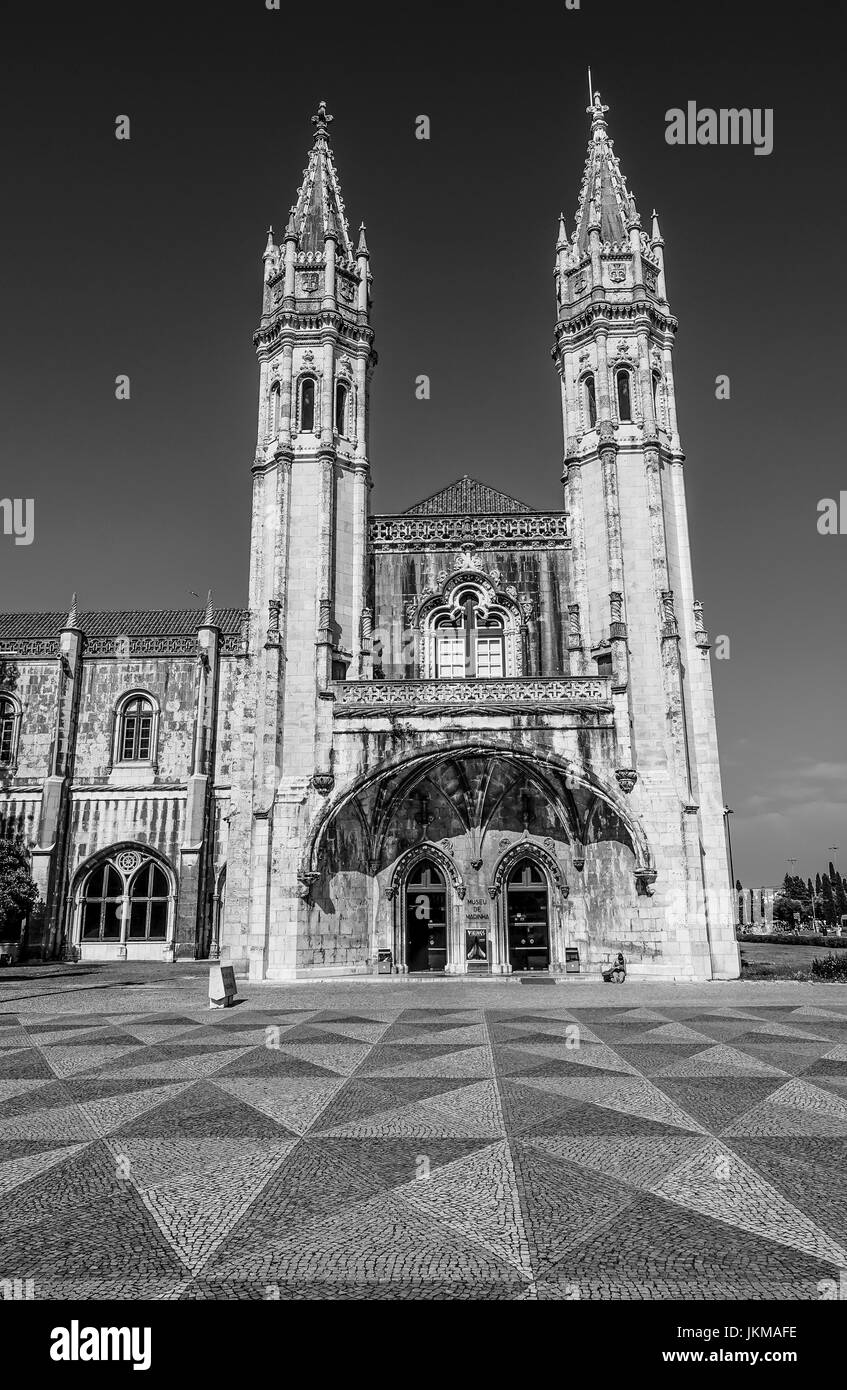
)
(644, 878)
(305, 882)
(323, 782)
(626, 778)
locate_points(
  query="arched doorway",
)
(528, 917)
(426, 918)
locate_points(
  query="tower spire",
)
(319, 209)
(604, 199)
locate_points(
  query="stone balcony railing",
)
(511, 693)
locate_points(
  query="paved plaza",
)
(420, 1140)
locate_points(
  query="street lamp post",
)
(727, 812)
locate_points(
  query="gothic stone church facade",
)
(472, 737)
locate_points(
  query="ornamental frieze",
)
(521, 531)
(512, 690)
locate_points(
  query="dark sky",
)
(144, 257)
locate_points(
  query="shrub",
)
(784, 938)
(829, 968)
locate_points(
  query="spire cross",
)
(322, 119)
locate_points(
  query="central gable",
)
(467, 497)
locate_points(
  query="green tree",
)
(18, 892)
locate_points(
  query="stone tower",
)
(633, 590)
(308, 569)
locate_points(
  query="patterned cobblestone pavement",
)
(427, 1142)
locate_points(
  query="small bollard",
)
(222, 988)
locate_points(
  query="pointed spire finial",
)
(321, 120)
(362, 248)
(72, 615)
(597, 112)
(269, 247)
(209, 615)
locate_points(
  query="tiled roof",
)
(151, 622)
(467, 497)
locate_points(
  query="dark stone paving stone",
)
(360, 1099)
(828, 1066)
(392, 1291)
(86, 1241)
(203, 1111)
(651, 1058)
(409, 1053)
(81, 1180)
(526, 1107)
(715, 1106)
(585, 1119)
(50, 1097)
(25, 1065)
(654, 1239)
(512, 1061)
(269, 1061)
(818, 1189)
(561, 1202)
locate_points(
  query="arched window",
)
(307, 404)
(622, 380)
(342, 395)
(273, 417)
(102, 905)
(135, 730)
(126, 900)
(470, 643)
(8, 731)
(590, 400)
(148, 904)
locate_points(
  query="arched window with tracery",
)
(469, 641)
(102, 905)
(148, 904)
(127, 898)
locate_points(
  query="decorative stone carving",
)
(509, 531)
(644, 878)
(626, 778)
(305, 881)
(579, 862)
(128, 860)
(670, 627)
(574, 632)
(701, 636)
(539, 690)
(323, 782)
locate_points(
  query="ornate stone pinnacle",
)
(322, 119)
(209, 615)
(72, 618)
(597, 112)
